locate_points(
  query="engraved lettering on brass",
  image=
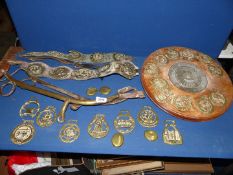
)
(187, 77)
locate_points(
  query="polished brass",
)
(92, 91)
(23, 133)
(46, 117)
(124, 123)
(117, 140)
(150, 135)
(171, 135)
(69, 132)
(105, 90)
(98, 128)
(30, 108)
(67, 100)
(147, 117)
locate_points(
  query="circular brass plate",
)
(187, 84)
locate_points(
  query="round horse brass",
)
(117, 140)
(189, 84)
(150, 135)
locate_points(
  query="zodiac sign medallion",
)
(124, 122)
(217, 99)
(46, 117)
(187, 83)
(205, 105)
(98, 128)
(147, 117)
(215, 70)
(182, 103)
(69, 132)
(170, 133)
(23, 133)
(30, 108)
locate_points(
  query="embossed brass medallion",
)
(187, 83)
(98, 128)
(150, 135)
(69, 132)
(46, 117)
(30, 108)
(171, 135)
(147, 117)
(124, 122)
(117, 140)
(23, 133)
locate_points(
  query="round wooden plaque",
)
(186, 83)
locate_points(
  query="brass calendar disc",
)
(187, 84)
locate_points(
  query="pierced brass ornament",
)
(117, 140)
(30, 108)
(124, 122)
(147, 117)
(46, 117)
(105, 90)
(171, 134)
(98, 128)
(69, 132)
(23, 133)
(91, 91)
(151, 135)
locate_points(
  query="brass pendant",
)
(117, 140)
(69, 132)
(105, 90)
(91, 91)
(23, 133)
(147, 117)
(151, 135)
(46, 117)
(98, 128)
(124, 122)
(170, 133)
(30, 108)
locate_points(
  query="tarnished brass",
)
(171, 134)
(98, 128)
(30, 108)
(187, 83)
(150, 135)
(77, 57)
(105, 90)
(23, 133)
(92, 91)
(69, 132)
(46, 117)
(124, 122)
(117, 140)
(147, 117)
